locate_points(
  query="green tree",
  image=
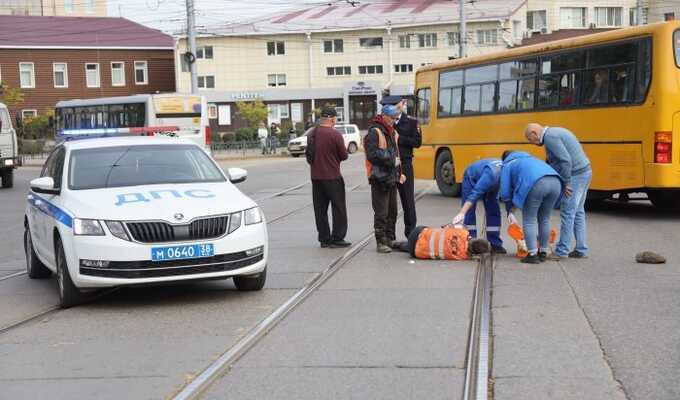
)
(253, 112)
(10, 96)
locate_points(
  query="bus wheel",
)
(445, 175)
(665, 199)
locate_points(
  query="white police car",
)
(136, 210)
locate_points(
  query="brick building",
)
(62, 58)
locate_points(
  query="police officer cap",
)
(329, 112)
(393, 100)
(390, 110)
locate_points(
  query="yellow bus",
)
(618, 91)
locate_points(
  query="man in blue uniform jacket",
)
(481, 180)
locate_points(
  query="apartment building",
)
(62, 58)
(72, 8)
(338, 54)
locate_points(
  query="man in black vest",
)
(410, 137)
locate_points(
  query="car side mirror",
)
(0, 124)
(44, 185)
(237, 175)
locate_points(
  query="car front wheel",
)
(34, 267)
(69, 295)
(249, 283)
(352, 148)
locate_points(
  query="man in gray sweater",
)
(565, 154)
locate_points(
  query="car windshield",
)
(140, 165)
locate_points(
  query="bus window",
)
(450, 100)
(423, 111)
(516, 87)
(562, 62)
(613, 54)
(479, 91)
(136, 115)
(644, 68)
(507, 96)
(526, 94)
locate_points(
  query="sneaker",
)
(555, 257)
(531, 259)
(577, 254)
(498, 250)
(383, 248)
(338, 244)
(325, 245)
(542, 256)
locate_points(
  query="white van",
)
(9, 149)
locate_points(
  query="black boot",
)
(531, 259)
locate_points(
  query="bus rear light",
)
(663, 147)
(208, 136)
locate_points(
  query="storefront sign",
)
(361, 89)
(246, 96)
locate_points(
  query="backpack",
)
(310, 150)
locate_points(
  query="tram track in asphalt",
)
(198, 385)
(53, 309)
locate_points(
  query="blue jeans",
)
(536, 213)
(492, 211)
(573, 216)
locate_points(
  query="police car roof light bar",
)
(80, 134)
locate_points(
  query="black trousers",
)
(407, 197)
(324, 192)
(384, 201)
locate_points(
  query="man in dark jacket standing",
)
(328, 186)
(410, 137)
(384, 172)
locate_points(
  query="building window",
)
(536, 20)
(338, 71)
(60, 75)
(370, 69)
(212, 111)
(27, 75)
(403, 68)
(274, 80)
(89, 6)
(333, 46)
(572, 17)
(669, 16)
(206, 82)
(92, 75)
(277, 112)
(633, 16)
(453, 38)
(117, 74)
(205, 52)
(427, 40)
(68, 6)
(276, 48)
(371, 43)
(404, 41)
(608, 16)
(487, 36)
(141, 73)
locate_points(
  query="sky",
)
(170, 15)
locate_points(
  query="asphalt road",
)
(381, 327)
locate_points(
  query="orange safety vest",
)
(382, 144)
(446, 243)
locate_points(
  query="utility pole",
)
(462, 31)
(639, 12)
(191, 37)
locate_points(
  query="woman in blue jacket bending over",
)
(536, 188)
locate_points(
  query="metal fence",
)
(249, 148)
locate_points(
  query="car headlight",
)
(117, 229)
(234, 221)
(253, 216)
(87, 227)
